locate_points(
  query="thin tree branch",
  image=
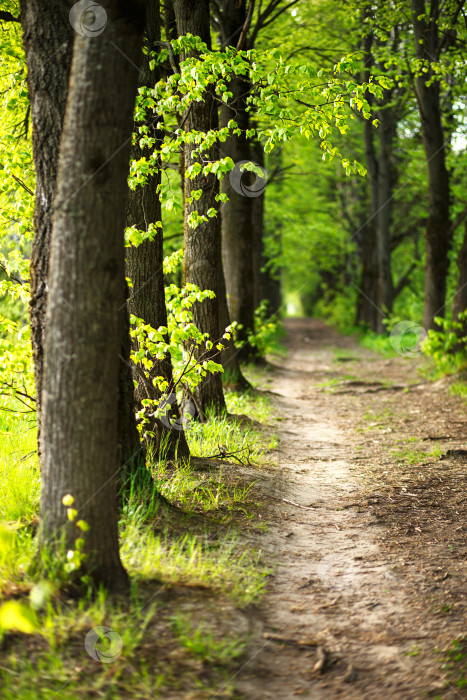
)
(10, 275)
(404, 280)
(23, 185)
(459, 219)
(246, 26)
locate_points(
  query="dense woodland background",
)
(283, 158)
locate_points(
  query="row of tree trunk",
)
(80, 303)
(377, 288)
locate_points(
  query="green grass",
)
(203, 643)
(341, 354)
(336, 380)
(195, 549)
(414, 456)
(455, 663)
(459, 388)
(19, 469)
(152, 650)
(207, 492)
(222, 564)
(224, 433)
(252, 404)
(380, 344)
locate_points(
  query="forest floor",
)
(351, 535)
(366, 508)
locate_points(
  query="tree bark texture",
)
(48, 43)
(460, 299)
(233, 376)
(438, 233)
(237, 233)
(386, 135)
(130, 449)
(83, 328)
(379, 288)
(202, 243)
(145, 265)
(267, 281)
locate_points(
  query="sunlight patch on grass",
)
(224, 433)
(225, 566)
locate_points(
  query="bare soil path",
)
(367, 513)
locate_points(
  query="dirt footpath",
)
(367, 512)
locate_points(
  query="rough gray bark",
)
(386, 135)
(460, 298)
(48, 43)
(202, 244)
(438, 233)
(377, 298)
(130, 450)
(267, 281)
(144, 264)
(237, 234)
(243, 216)
(86, 282)
(233, 376)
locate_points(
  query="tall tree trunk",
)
(233, 376)
(267, 278)
(438, 233)
(202, 243)
(145, 263)
(368, 288)
(131, 452)
(367, 312)
(48, 43)
(237, 237)
(386, 134)
(460, 298)
(82, 343)
(369, 307)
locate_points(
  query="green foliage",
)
(338, 308)
(455, 662)
(227, 568)
(200, 641)
(288, 98)
(181, 340)
(16, 215)
(14, 615)
(448, 345)
(263, 336)
(19, 470)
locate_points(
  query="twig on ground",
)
(298, 505)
